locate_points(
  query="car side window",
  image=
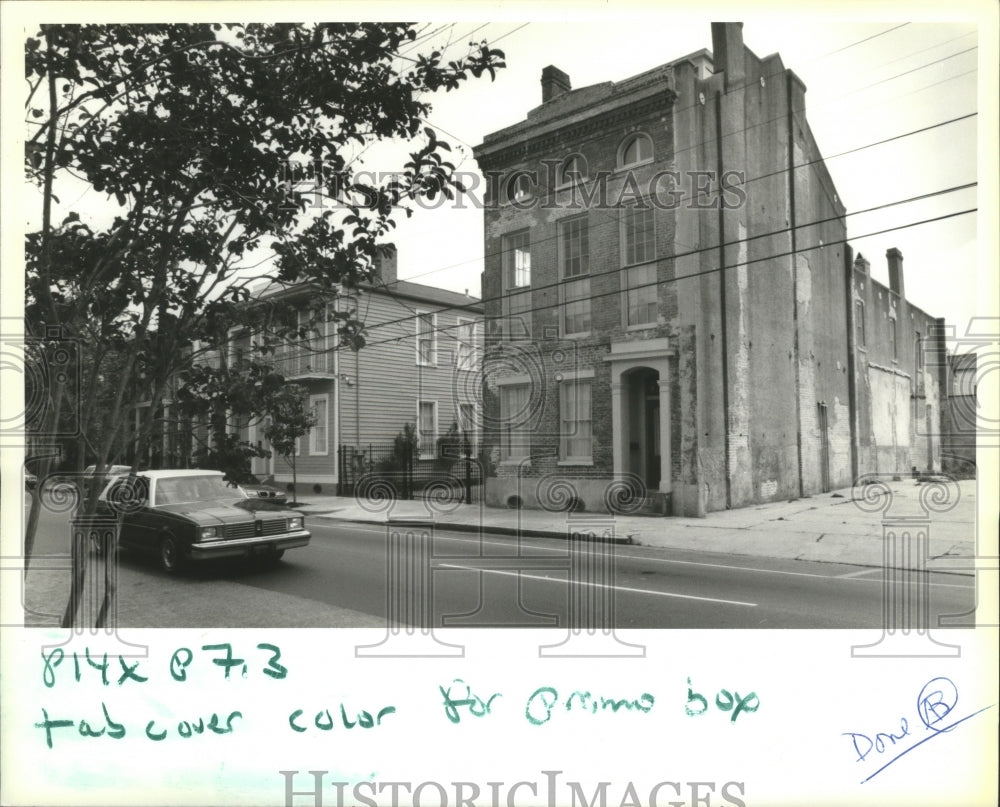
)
(127, 494)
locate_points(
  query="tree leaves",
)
(191, 129)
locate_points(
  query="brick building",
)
(961, 416)
(670, 300)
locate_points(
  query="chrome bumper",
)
(243, 546)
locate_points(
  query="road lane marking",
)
(855, 576)
(598, 585)
(860, 573)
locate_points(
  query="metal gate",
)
(401, 472)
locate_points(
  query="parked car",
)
(272, 496)
(188, 516)
(110, 472)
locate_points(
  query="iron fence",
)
(452, 473)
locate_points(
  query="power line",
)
(862, 41)
(511, 33)
(689, 253)
(612, 218)
(905, 73)
(713, 270)
(750, 128)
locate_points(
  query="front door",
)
(652, 430)
(642, 426)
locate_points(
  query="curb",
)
(628, 538)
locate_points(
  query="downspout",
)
(357, 398)
(852, 389)
(722, 303)
(795, 278)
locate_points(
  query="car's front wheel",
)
(170, 555)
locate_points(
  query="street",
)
(653, 588)
(489, 582)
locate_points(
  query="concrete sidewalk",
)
(833, 527)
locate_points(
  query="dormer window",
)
(636, 150)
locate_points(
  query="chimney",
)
(727, 53)
(895, 259)
(862, 265)
(385, 265)
(554, 83)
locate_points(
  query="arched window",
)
(573, 170)
(635, 150)
(519, 187)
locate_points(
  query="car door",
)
(128, 498)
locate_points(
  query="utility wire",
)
(860, 42)
(717, 269)
(748, 129)
(612, 218)
(713, 248)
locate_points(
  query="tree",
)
(220, 394)
(217, 148)
(291, 418)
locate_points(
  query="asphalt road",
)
(492, 581)
(481, 582)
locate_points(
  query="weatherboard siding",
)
(383, 382)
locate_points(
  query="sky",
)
(868, 82)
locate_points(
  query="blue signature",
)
(935, 704)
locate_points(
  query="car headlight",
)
(295, 523)
(209, 532)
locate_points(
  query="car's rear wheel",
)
(170, 556)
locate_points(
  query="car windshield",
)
(183, 489)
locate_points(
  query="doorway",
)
(824, 448)
(643, 437)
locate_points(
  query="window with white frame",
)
(517, 260)
(515, 434)
(427, 428)
(575, 247)
(637, 150)
(517, 314)
(516, 248)
(466, 353)
(314, 346)
(638, 240)
(575, 263)
(467, 419)
(575, 434)
(318, 433)
(235, 353)
(893, 348)
(426, 338)
(302, 346)
(576, 307)
(640, 295)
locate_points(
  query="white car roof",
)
(179, 472)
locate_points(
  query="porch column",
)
(616, 424)
(663, 382)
